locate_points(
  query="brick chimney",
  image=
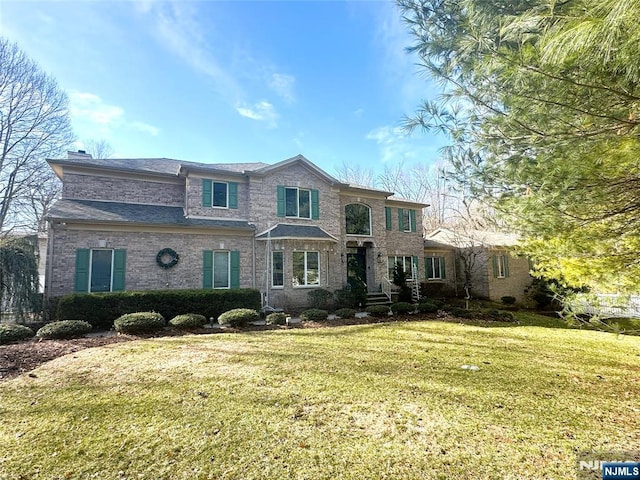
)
(78, 155)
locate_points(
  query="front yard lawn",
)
(355, 402)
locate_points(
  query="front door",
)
(357, 266)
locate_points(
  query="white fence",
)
(607, 305)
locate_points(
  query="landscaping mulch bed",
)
(18, 358)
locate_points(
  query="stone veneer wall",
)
(142, 271)
(93, 187)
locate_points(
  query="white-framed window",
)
(220, 194)
(406, 221)
(297, 202)
(221, 269)
(434, 267)
(101, 270)
(306, 269)
(405, 261)
(277, 269)
(500, 266)
(357, 219)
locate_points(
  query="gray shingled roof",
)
(434, 244)
(113, 212)
(167, 166)
(307, 232)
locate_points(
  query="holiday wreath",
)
(167, 258)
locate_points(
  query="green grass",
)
(358, 402)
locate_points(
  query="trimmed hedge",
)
(101, 309)
(238, 317)
(14, 333)
(314, 315)
(427, 307)
(379, 311)
(64, 329)
(139, 322)
(400, 308)
(188, 320)
(345, 313)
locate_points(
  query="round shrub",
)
(379, 311)
(500, 315)
(139, 322)
(508, 300)
(345, 313)
(314, 315)
(14, 333)
(238, 317)
(188, 320)
(427, 307)
(401, 308)
(64, 329)
(276, 318)
(458, 312)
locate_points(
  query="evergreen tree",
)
(542, 103)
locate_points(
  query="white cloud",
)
(395, 145)
(145, 127)
(93, 117)
(178, 29)
(283, 85)
(262, 111)
(90, 108)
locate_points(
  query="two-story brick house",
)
(283, 229)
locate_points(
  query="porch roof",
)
(284, 231)
(93, 211)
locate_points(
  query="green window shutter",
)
(119, 269)
(233, 195)
(82, 270)
(315, 205)
(206, 192)
(442, 273)
(235, 269)
(506, 265)
(280, 197)
(494, 262)
(207, 269)
(400, 220)
(412, 214)
(387, 217)
(428, 267)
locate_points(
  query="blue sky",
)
(221, 81)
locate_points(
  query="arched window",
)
(358, 219)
